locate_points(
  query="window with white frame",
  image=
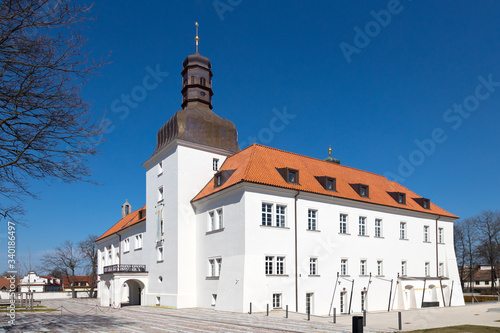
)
(160, 253)
(215, 164)
(160, 193)
(267, 214)
(275, 265)
(215, 220)
(441, 269)
(126, 245)
(138, 241)
(313, 266)
(269, 265)
(214, 299)
(402, 230)
(280, 265)
(343, 224)
(380, 267)
(276, 301)
(312, 219)
(277, 211)
(280, 216)
(440, 236)
(426, 233)
(427, 269)
(214, 267)
(343, 267)
(220, 219)
(362, 226)
(378, 228)
(362, 267)
(160, 168)
(403, 268)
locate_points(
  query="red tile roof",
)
(258, 164)
(127, 221)
(84, 278)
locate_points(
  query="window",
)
(402, 198)
(212, 221)
(218, 179)
(219, 265)
(343, 302)
(138, 241)
(212, 271)
(160, 193)
(440, 236)
(378, 228)
(313, 266)
(276, 301)
(269, 265)
(160, 254)
(272, 262)
(343, 223)
(280, 265)
(280, 216)
(402, 230)
(380, 267)
(426, 233)
(214, 267)
(362, 226)
(426, 203)
(403, 268)
(441, 269)
(127, 209)
(214, 299)
(215, 164)
(192, 79)
(427, 269)
(160, 168)
(343, 267)
(219, 218)
(477, 283)
(126, 245)
(362, 267)
(331, 184)
(293, 176)
(364, 190)
(311, 219)
(267, 214)
(162, 229)
(203, 82)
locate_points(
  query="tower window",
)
(202, 93)
(203, 82)
(192, 79)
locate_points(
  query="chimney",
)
(126, 208)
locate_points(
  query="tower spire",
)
(196, 38)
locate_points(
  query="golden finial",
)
(329, 149)
(196, 38)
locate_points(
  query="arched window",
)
(192, 79)
(203, 82)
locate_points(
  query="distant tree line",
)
(69, 258)
(477, 241)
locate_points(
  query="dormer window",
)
(401, 198)
(221, 177)
(426, 204)
(289, 175)
(218, 179)
(292, 176)
(364, 190)
(328, 183)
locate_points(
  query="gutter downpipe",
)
(296, 260)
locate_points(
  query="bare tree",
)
(488, 226)
(65, 258)
(88, 249)
(45, 128)
(460, 250)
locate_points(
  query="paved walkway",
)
(83, 315)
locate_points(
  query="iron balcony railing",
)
(125, 268)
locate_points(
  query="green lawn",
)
(461, 329)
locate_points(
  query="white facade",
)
(39, 284)
(320, 251)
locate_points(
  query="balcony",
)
(125, 269)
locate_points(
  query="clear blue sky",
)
(397, 88)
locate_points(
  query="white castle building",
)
(225, 228)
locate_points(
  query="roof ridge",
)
(250, 159)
